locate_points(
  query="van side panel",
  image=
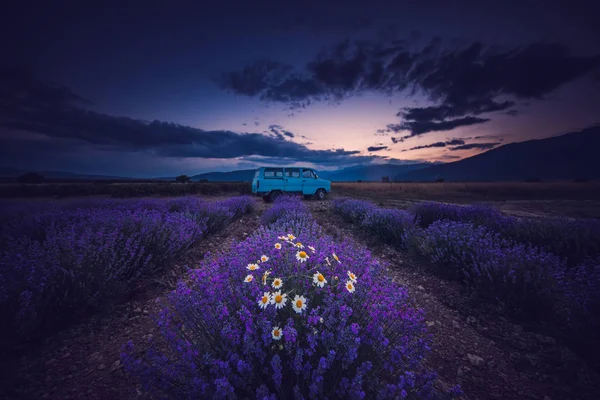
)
(293, 180)
(272, 179)
(309, 182)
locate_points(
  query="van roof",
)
(287, 167)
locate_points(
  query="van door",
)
(293, 180)
(273, 180)
(309, 182)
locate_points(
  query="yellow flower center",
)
(299, 244)
(265, 299)
(352, 276)
(277, 282)
(349, 286)
(298, 303)
(276, 333)
(278, 298)
(320, 278)
(302, 254)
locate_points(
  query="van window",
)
(292, 172)
(257, 174)
(307, 173)
(273, 173)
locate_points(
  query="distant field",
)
(120, 189)
(518, 198)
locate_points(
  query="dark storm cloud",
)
(376, 148)
(450, 157)
(453, 142)
(279, 132)
(491, 137)
(53, 111)
(417, 128)
(480, 146)
(463, 82)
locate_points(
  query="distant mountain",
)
(566, 157)
(371, 172)
(359, 172)
(244, 175)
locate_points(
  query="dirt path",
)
(490, 356)
(83, 362)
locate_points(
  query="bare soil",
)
(83, 362)
(489, 355)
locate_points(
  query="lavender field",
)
(296, 299)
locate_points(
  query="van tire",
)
(320, 194)
(273, 195)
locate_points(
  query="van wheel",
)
(273, 195)
(320, 194)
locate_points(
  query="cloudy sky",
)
(153, 89)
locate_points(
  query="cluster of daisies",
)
(279, 299)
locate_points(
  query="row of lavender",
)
(61, 262)
(287, 313)
(534, 267)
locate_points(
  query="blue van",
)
(270, 182)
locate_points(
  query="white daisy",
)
(319, 279)
(350, 286)
(282, 237)
(352, 277)
(336, 258)
(264, 258)
(277, 283)
(301, 256)
(311, 248)
(321, 320)
(279, 299)
(291, 237)
(248, 278)
(277, 333)
(327, 259)
(265, 300)
(299, 245)
(278, 246)
(299, 304)
(252, 267)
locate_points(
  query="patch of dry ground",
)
(490, 356)
(83, 361)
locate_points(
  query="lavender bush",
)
(574, 240)
(352, 210)
(581, 297)
(428, 212)
(67, 261)
(392, 226)
(287, 313)
(284, 207)
(523, 278)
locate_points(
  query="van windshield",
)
(256, 174)
(316, 175)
